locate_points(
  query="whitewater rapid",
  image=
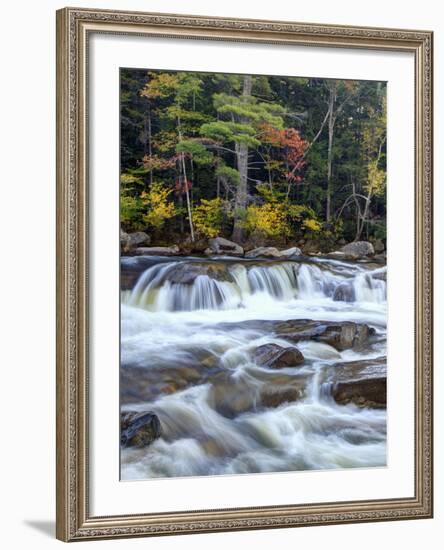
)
(187, 343)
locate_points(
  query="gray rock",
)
(293, 251)
(157, 250)
(381, 258)
(358, 249)
(219, 245)
(341, 336)
(378, 245)
(124, 240)
(264, 251)
(136, 239)
(272, 252)
(138, 429)
(337, 255)
(186, 273)
(278, 357)
(344, 292)
(380, 274)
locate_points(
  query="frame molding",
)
(73, 519)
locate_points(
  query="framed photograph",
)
(244, 276)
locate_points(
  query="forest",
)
(257, 159)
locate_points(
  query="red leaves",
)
(292, 148)
(182, 185)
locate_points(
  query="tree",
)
(372, 172)
(339, 93)
(180, 88)
(240, 118)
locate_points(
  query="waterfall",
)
(368, 289)
(208, 285)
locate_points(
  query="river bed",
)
(190, 331)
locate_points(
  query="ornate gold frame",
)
(73, 519)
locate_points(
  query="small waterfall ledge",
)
(200, 285)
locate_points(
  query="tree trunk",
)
(150, 139)
(240, 202)
(331, 128)
(187, 192)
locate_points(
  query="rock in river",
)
(361, 382)
(186, 273)
(278, 357)
(344, 292)
(138, 429)
(341, 336)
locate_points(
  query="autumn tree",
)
(238, 126)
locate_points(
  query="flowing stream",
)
(189, 331)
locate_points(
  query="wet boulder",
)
(222, 246)
(275, 395)
(186, 273)
(344, 292)
(278, 357)
(358, 249)
(341, 336)
(230, 396)
(380, 274)
(157, 250)
(139, 429)
(363, 383)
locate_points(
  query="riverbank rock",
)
(138, 238)
(378, 245)
(358, 249)
(189, 247)
(157, 250)
(380, 258)
(222, 246)
(130, 241)
(363, 383)
(278, 357)
(138, 429)
(124, 240)
(272, 252)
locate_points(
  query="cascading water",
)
(157, 289)
(190, 331)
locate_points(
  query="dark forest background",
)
(259, 159)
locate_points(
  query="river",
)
(190, 331)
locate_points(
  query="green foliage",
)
(228, 173)
(198, 152)
(131, 211)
